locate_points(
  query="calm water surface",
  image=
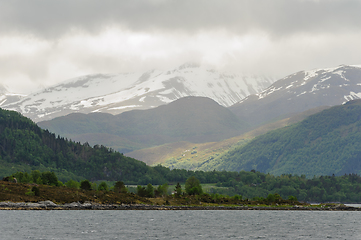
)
(179, 225)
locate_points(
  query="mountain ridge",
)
(195, 119)
(301, 91)
(324, 143)
(116, 93)
(196, 156)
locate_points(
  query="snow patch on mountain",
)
(115, 93)
(316, 80)
(347, 78)
(352, 96)
(299, 92)
(7, 97)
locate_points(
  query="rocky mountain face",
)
(299, 92)
(123, 92)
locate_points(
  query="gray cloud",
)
(53, 18)
(47, 41)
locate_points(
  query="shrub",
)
(36, 191)
(292, 198)
(141, 192)
(35, 175)
(162, 190)
(72, 184)
(270, 198)
(237, 197)
(49, 178)
(193, 186)
(85, 185)
(119, 187)
(103, 187)
(29, 192)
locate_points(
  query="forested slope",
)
(24, 147)
(325, 143)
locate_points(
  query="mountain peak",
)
(189, 65)
(302, 91)
(143, 90)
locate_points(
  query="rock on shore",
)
(49, 205)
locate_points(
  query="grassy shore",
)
(21, 192)
(20, 196)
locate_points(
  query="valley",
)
(197, 133)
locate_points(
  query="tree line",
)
(251, 185)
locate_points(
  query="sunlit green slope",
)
(325, 143)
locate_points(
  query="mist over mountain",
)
(194, 119)
(299, 92)
(116, 93)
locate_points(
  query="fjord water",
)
(218, 224)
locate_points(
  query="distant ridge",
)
(116, 93)
(181, 155)
(325, 143)
(194, 119)
(299, 92)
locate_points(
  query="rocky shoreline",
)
(49, 205)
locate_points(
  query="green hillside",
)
(325, 143)
(200, 156)
(25, 147)
(193, 119)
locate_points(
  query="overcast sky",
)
(43, 42)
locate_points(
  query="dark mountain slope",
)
(325, 143)
(24, 146)
(194, 119)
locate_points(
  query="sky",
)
(45, 42)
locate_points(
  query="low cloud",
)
(43, 42)
(52, 18)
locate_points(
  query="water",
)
(179, 225)
(354, 205)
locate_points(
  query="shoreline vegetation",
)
(32, 155)
(15, 196)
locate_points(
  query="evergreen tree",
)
(150, 190)
(178, 190)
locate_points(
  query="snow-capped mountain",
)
(301, 91)
(7, 97)
(122, 92)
